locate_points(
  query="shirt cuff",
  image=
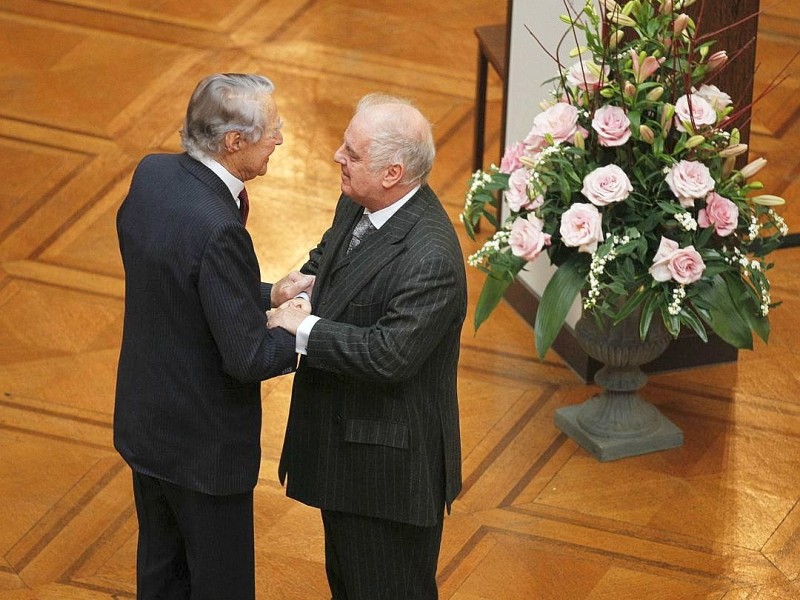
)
(303, 331)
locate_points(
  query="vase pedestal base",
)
(662, 434)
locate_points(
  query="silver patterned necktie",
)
(360, 232)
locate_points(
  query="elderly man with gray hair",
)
(195, 345)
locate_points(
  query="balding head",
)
(399, 133)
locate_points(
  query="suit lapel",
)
(359, 268)
(340, 231)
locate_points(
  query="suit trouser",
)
(193, 546)
(376, 559)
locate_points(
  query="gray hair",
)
(222, 103)
(400, 135)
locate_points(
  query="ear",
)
(233, 141)
(393, 175)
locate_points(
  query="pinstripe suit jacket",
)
(195, 344)
(373, 425)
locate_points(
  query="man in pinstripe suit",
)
(373, 437)
(195, 346)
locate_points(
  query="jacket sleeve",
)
(231, 295)
(428, 301)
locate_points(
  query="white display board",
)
(529, 67)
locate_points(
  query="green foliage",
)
(679, 234)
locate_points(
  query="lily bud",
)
(629, 90)
(594, 69)
(646, 134)
(615, 38)
(752, 168)
(735, 137)
(578, 141)
(717, 60)
(666, 7)
(727, 166)
(680, 24)
(577, 51)
(527, 161)
(666, 117)
(687, 125)
(654, 94)
(733, 150)
(609, 5)
(545, 104)
(630, 6)
(768, 200)
(620, 19)
(695, 140)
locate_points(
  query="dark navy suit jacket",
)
(195, 344)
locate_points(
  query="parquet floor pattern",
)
(88, 86)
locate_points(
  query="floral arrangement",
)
(628, 181)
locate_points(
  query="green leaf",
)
(649, 308)
(633, 302)
(748, 307)
(490, 216)
(561, 291)
(724, 316)
(690, 318)
(493, 289)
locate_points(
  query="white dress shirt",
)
(234, 184)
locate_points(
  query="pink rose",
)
(581, 227)
(660, 269)
(606, 184)
(587, 76)
(691, 108)
(510, 161)
(689, 180)
(527, 240)
(719, 212)
(612, 126)
(684, 265)
(560, 121)
(517, 193)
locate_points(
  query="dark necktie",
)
(360, 232)
(244, 205)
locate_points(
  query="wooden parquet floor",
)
(88, 86)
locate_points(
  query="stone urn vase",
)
(618, 422)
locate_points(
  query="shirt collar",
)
(233, 184)
(379, 217)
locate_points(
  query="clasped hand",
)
(291, 286)
(289, 315)
(290, 309)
